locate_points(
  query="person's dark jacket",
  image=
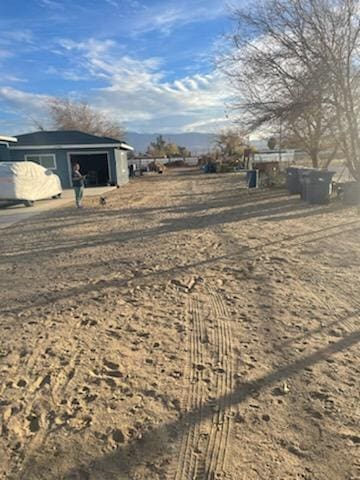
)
(77, 179)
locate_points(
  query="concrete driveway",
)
(17, 213)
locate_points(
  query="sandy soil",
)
(186, 330)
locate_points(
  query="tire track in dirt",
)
(187, 461)
(203, 448)
(221, 420)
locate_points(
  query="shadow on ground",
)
(149, 278)
(156, 442)
(268, 206)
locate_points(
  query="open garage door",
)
(94, 165)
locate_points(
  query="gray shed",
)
(5, 142)
(103, 159)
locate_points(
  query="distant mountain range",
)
(197, 143)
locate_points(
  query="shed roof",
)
(6, 138)
(65, 137)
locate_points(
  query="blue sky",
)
(148, 64)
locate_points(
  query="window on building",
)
(47, 160)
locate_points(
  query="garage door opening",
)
(95, 166)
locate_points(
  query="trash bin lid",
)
(325, 175)
(304, 172)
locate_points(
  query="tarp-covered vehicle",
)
(26, 182)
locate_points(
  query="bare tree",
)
(296, 61)
(69, 115)
(336, 27)
(313, 129)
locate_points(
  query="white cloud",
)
(165, 16)
(133, 4)
(135, 92)
(91, 45)
(5, 54)
(13, 79)
(53, 4)
(28, 107)
(36, 101)
(16, 43)
(207, 125)
(136, 4)
(14, 37)
(113, 3)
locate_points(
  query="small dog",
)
(103, 201)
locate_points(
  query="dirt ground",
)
(188, 330)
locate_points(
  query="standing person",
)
(78, 181)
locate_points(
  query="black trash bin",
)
(293, 180)
(318, 186)
(303, 174)
(352, 193)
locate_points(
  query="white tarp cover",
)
(27, 181)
